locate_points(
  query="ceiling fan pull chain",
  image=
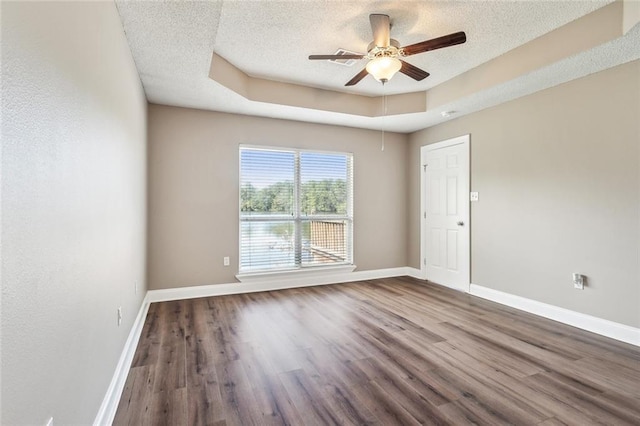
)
(384, 114)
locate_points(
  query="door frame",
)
(463, 140)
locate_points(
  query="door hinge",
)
(424, 215)
(425, 167)
(424, 261)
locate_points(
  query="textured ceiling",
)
(172, 44)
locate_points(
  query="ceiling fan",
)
(384, 53)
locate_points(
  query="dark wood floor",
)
(392, 351)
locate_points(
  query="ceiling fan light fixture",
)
(383, 68)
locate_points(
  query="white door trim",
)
(460, 140)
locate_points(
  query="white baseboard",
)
(590, 323)
(268, 285)
(110, 402)
(414, 273)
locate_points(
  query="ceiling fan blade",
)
(413, 71)
(435, 43)
(313, 57)
(355, 80)
(380, 26)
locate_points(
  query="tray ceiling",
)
(173, 44)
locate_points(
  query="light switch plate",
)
(473, 196)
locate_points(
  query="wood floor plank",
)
(149, 343)
(238, 400)
(469, 355)
(395, 351)
(552, 422)
(416, 397)
(464, 412)
(333, 361)
(308, 399)
(612, 377)
(586, 343)
(200, 349)
(169, 408)
(488, 398)
(387, 410)
(335, 379)
(579, 406)
(204, 404)
(275, 402)
(135, 401)
(171, 371)
(510, 363)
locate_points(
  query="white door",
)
(445, 213)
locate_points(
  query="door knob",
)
(461, 223)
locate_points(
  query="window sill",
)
(310, 272)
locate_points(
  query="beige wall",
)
(73, 207)
(193, 190)
(558, 177)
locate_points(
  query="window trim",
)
(305, 272)
(297, 218)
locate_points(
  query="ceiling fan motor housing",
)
(393, 50)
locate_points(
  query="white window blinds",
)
(295, 209)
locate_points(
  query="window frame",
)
(297, 217)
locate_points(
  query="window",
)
(295, 209)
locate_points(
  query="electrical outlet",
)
(578, 281)
(473, 196)
(119, 316)
(225, 261)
